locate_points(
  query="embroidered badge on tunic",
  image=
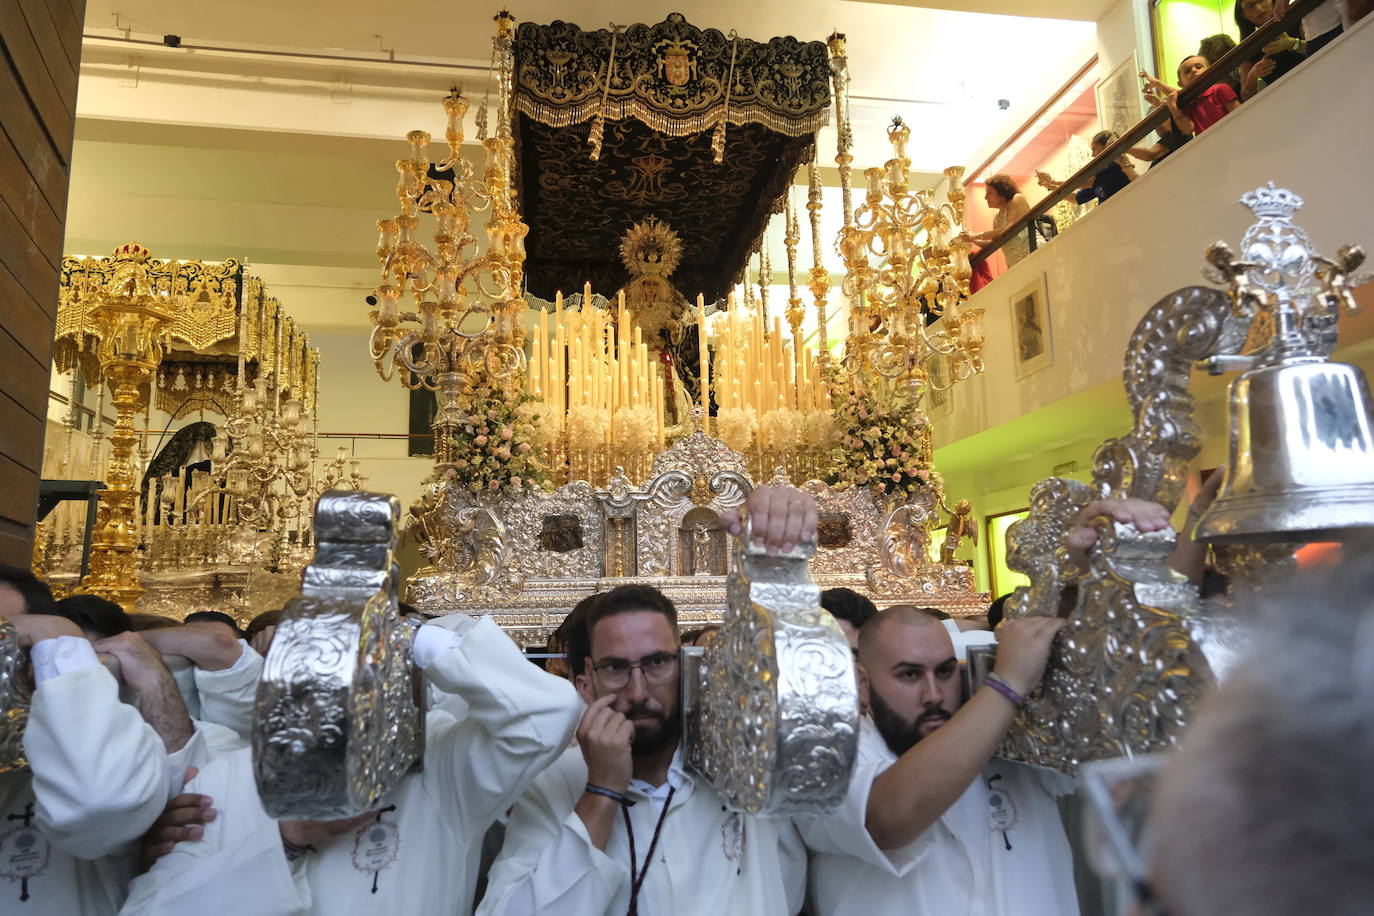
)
(24, 852)
(1001, 810)
(732, 836)
(376, 846)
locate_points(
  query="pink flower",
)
(503, 453)
(450, 473)
(516, 481)
(506, 432)
(863, 413)
(524, 447)
(493, 484)
(923, 474)
(896, 477)
(480, 440)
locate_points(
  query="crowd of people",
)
(1302, 36)
(565, 791)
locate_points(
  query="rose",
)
(515, 481)
(896, 477)
(503, 453)
(923, 474)
(524, 447)
(493, 484)
(506, 432)
(480, 440)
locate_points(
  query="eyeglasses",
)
(658, 668)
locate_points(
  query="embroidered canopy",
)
(700, 129)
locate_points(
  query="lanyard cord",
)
(637, 879)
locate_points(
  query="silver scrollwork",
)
(775, 726)
(15, 696)
(339, 718)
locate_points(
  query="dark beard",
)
(900, 735)
(652, 739)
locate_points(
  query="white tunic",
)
(413, 858)
(1000, 849)
(224, 697)
(99, 778)
(709, 861)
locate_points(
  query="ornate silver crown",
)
(1272, 204)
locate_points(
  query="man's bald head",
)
(913, 675)
(907, 615)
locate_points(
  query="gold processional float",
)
(218, 518)
(596, 443)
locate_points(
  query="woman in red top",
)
(1205, 110)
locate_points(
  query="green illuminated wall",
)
(1181, 24)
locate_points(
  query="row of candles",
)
(588, 360)
(597, 358)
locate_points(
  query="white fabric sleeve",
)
(227, 696)
(432, 642)
(57, 656)
(548, 864)
(238, 864)
(843, 831)
(99, 776)
(519, 720)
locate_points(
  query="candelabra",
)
(464, 338)
(272, 442)
(131, 321)
(908, 322)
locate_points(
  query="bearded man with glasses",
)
(617, 825)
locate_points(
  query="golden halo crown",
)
(650, 248)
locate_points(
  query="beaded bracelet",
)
(614, 796)
(996, 682)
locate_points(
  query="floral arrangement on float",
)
(498, 449)
(881, 442)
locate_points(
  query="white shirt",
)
(414, 857)
(1000, 849)
(709, 861)
(1324, 18)
(99, 778)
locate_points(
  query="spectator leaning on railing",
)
(1111, 178)
(1279, 56)
(1214, 48)
(1211, 106)
(1325, 23)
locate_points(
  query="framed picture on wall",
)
(1001, 578)
(1120, 100)
(1031, 346)
(940, 395)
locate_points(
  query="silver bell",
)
(1302, 457)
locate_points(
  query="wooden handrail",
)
(1208, 78)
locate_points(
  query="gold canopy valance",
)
(222, 320)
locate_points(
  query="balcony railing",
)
(1084, 177)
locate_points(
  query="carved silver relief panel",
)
(339, 719)
(774, 728)
(15, 696)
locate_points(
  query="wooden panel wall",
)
(40, 49)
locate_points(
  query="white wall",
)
(1103, 274)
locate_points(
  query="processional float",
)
(770, 708)
(589, 441)
(185, 337)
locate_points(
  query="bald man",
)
(933, 823)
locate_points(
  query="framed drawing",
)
(1120, 100)
(1031, 346)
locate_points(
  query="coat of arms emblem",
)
(677, 61)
